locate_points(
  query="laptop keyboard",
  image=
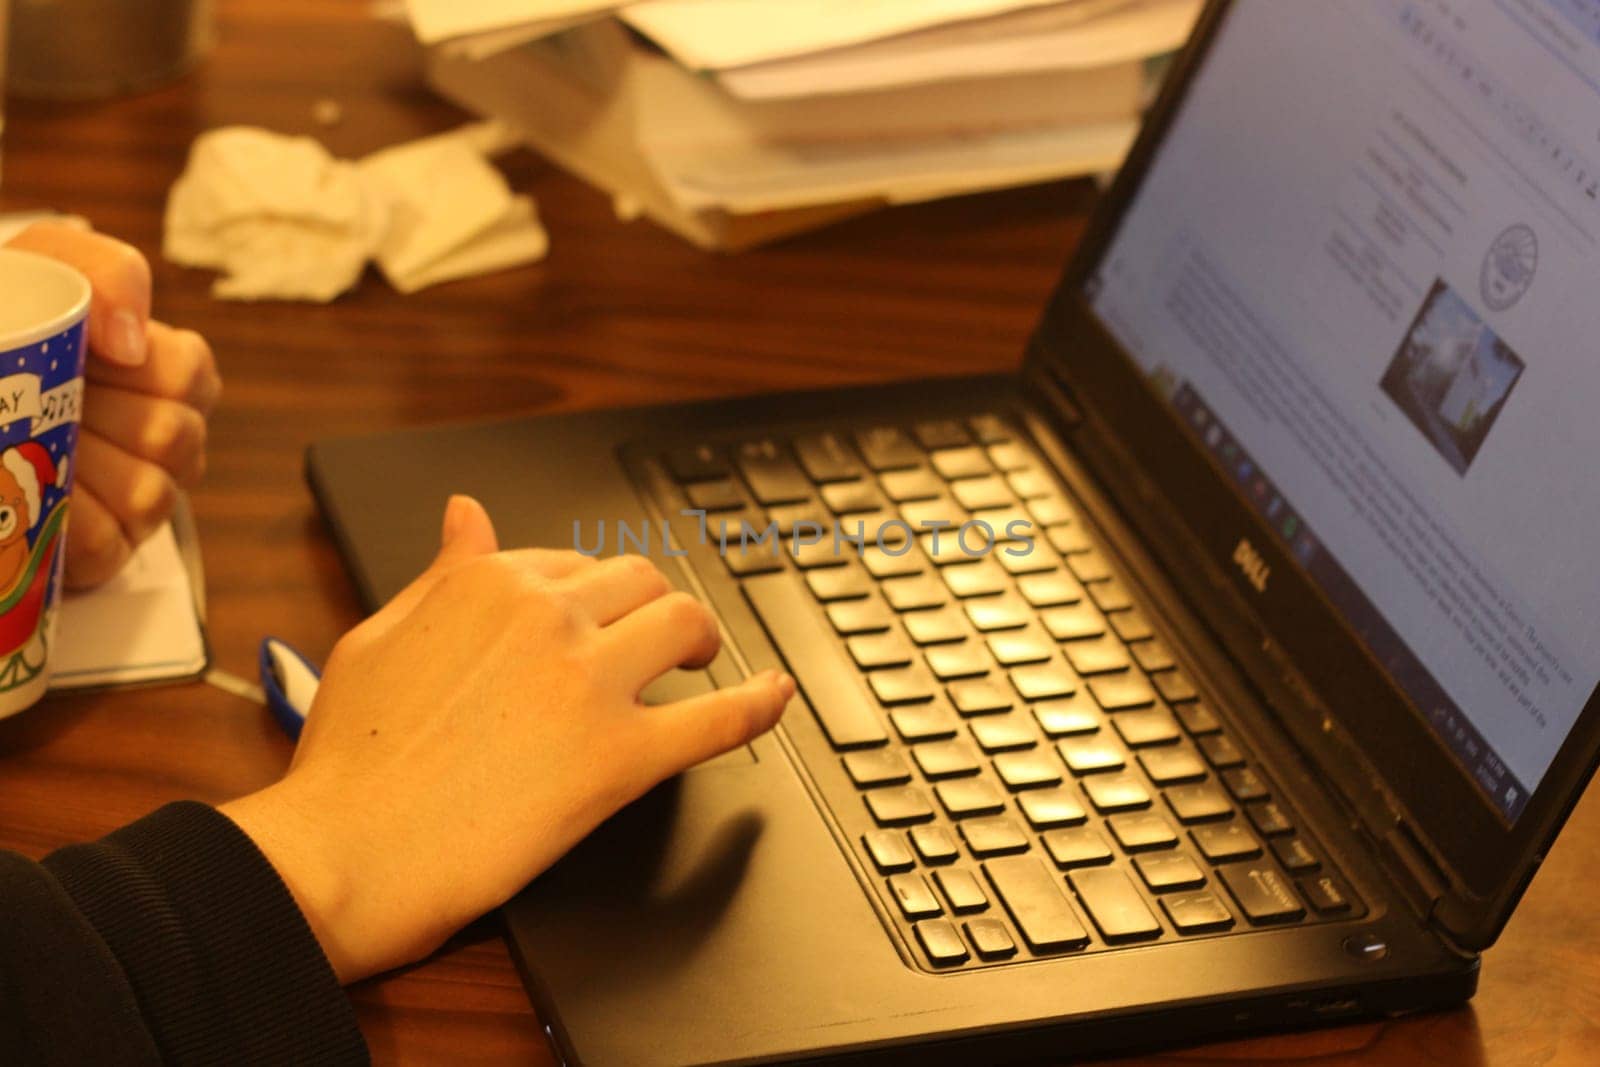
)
(1018, 756)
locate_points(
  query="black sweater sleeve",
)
(173, 941)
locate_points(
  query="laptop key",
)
(990, 939)
(918, 483)
(1152, 655)
(1044, 681)
(902, 685)
(961, 890)
(808, 517)
(1108, 596)
(1090, 566)
(942, 433)
(899, 806)
(1074, 621)
(1088, 755)
(888, 851)
(1245, 785)
(1221, 752)
(1114, 905)
(941, 513)
(1327, 894)
(809, 551)
(1027, 770)
(836, 583)
(1262, 893)
(1078, 847)
(697, 463)
(997, 836)
(1051, 590)
(1197, 718)
(1166, 872)
(1099, 655)
(827, 457)
(934, 844)
(989, 429)
(724, 494)
(979, 494)
(1002, 733)
(773, 477)
(958, 463)
(1048, 808)
(1196, 913)
(1113, 793)
(1167, 766)
(979, 696)
(935, 627)
(916, 900)
(1269, 819)
(961, 545)
(888, 448)
(1038, 906)
(1067, 716)
(1175, 686)
(1026, 559)
(924, 722)
(1225, 842)
(991, 613)
(1198, 803)
(1053, 510)
(1014, 648)
(876, 766)
(1142, 832)
(1010, 456)
(827, 679)
(874, 651)
(853, 498)
(857, 616)
(1140, 729)
(981, 578)
(945, 759)
(1296, 856)
(1131, 625)
(915, 593)
(1013, 527)
(892, 561)
(1122, 691)
(1030, 483)
(942, 942)
(744, 561)
(965, 797)
(969, 659)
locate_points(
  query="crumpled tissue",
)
(282, 219)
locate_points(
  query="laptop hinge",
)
(1057, 399)
(1424, 881)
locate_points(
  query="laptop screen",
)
(1363, 268)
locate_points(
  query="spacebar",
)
(825, 676)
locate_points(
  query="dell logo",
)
(1254, 567)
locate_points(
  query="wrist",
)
(314, 868)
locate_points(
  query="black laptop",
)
(1228, 668)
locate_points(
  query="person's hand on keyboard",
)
(476, 728)
(149, 390)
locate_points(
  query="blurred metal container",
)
(91, 49)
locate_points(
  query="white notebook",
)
(144, 625)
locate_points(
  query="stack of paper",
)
(738, 121)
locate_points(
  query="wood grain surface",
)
(619, 313)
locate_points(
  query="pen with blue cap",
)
(290, 683)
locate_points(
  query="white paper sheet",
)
(440, 20)
(1089, 33)
(717, 34)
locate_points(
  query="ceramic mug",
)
(44, 310)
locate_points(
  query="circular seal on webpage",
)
(1509, 267)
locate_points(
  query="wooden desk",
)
(618, 314)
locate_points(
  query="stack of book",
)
(734, 122)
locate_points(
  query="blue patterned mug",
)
(44, 310)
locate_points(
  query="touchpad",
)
(684, 685)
